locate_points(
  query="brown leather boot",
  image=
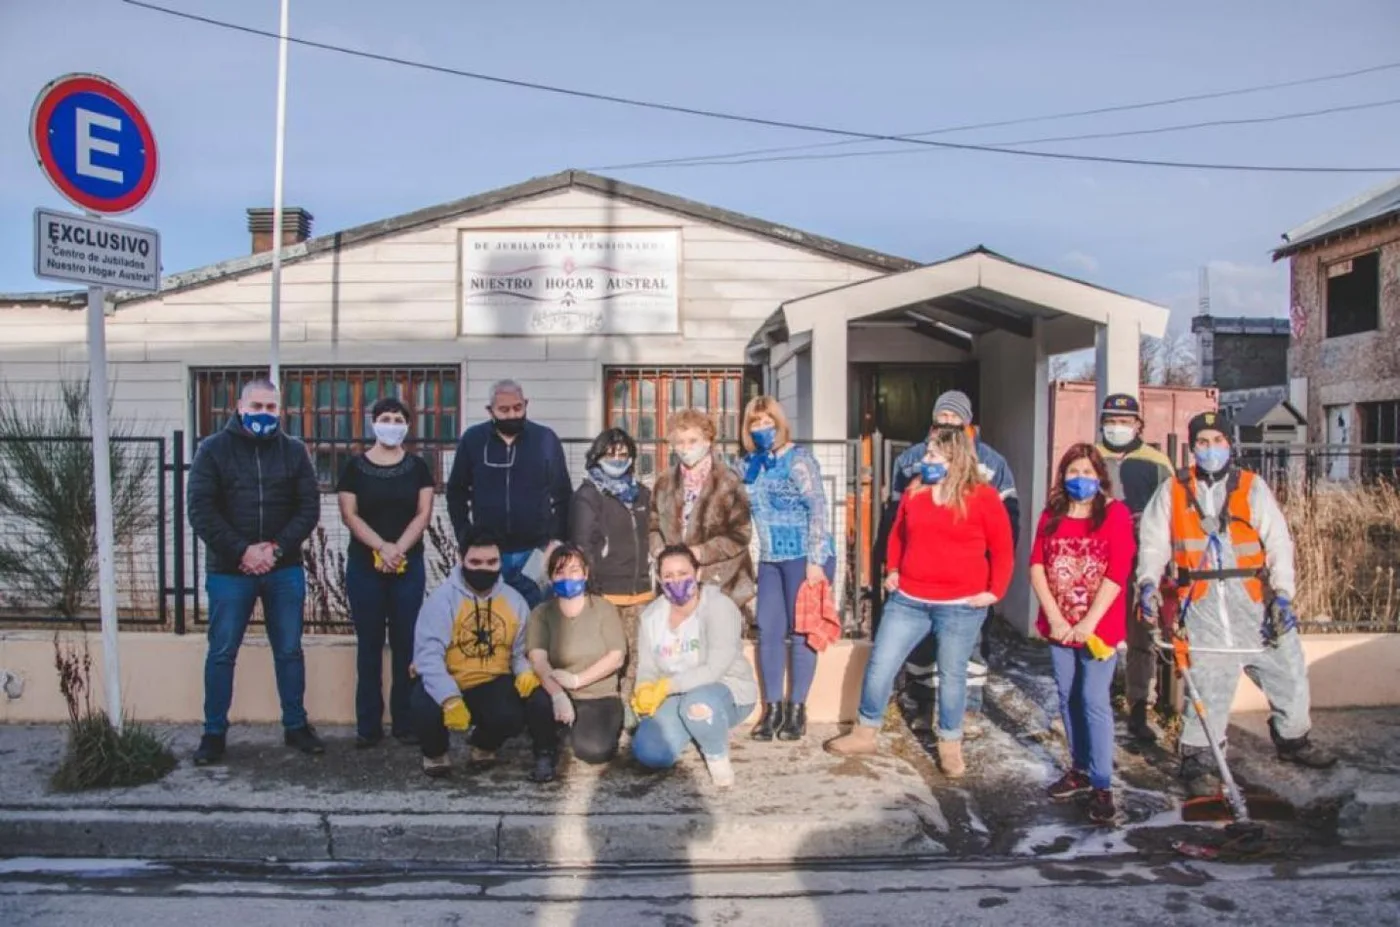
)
(859, 742)
(950, 758)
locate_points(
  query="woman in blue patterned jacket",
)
(789, 508)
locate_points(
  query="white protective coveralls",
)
(1225, 624)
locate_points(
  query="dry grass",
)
(1347, 542)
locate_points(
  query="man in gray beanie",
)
(952, 409)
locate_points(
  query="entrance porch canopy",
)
(1007, 316)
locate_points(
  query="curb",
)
(468, 838)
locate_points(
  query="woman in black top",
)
(608, 521)
(386, 500)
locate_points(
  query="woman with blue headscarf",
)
(789, 508)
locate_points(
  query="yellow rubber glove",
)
(641, 698)
(1098, 649)
(455, 715)
(649, 696)
(526, 683)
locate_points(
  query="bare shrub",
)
(1347, 546)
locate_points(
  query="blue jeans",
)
(777, 614)
(1087, 710)
(903, 624)
(661, 739)
(380, 603)
(231, 599)
(511, 565)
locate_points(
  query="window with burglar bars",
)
(642, 399)
(329, 407)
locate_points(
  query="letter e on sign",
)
(94, 144)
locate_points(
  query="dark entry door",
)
(897, 399)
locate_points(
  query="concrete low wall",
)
(163, 680)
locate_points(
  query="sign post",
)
(95, 146)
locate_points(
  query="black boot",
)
(1138, 726)
(305, 740)
(1198, 774)
(771, 722)
(1301, 751)
(794, 722)
(546, 763)
(211, 750)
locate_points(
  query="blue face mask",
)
(615, 468)
(1081, 488)
(932, 473)
(1213, 459)
(764, 439)
(260, 424)
(570, 588)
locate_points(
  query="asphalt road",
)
(1040, 892)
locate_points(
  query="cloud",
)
(1258, 291)
(1078, 260)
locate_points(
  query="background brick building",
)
(1344, 358)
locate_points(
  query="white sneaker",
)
(721, 771)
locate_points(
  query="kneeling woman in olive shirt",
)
(577, 647)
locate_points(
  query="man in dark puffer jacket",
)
(253, 501)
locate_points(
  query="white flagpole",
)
(274, 365)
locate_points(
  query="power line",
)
(758, 120)
(1098, 111)
(736, 159)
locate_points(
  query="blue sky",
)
(369, 140)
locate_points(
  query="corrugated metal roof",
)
(1375, 204)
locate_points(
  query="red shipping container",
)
(1074, 414)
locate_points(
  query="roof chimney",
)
(296, 227)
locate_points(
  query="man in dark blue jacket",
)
(510, 476)
(253, 501)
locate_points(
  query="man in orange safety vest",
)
(1218, 530)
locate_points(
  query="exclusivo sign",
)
(95, 252)
(570, 282)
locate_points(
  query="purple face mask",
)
(679, 591)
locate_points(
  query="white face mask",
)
(1118, 435)
(390, 434)
(693, 455)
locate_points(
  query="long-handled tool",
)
(1244, 807)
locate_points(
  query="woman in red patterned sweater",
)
(1080, 564)
(949, 557)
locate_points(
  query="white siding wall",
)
(394, 301)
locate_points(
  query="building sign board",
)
(570, 281)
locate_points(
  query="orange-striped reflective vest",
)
(1190, 537)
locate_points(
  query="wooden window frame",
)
(1351, 314)
(663, 380)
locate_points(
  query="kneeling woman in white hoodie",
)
(694, 683)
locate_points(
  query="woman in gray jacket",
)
(693, 681)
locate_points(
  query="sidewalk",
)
(790, 802)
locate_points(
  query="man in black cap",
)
(1219, 531)
(1137, 469)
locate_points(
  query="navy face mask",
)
(260, 424)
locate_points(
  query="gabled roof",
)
(489, 201)
(1377, 205)
(1254, 412)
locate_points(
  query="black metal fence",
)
(1342, 504)
(161, 560)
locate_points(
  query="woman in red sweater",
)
(1080, 564)
(949, 557)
